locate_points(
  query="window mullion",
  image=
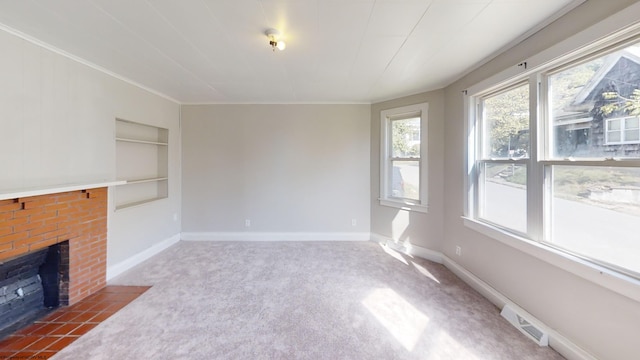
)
(535, 171)
(479, 153)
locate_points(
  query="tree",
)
(566, 84)
(506, 116)
(406, 137)
(629, 105)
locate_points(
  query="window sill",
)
(403, 205)
(607, 278)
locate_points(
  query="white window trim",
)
(386, 116)
(622, 131)
(619, 26)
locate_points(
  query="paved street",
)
(590, 230)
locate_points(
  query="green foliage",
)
(565, 85)
(506, 115)
(572, 181)
(404, 131)
(510, 173)
(569, 181)
(519, 176)
(633, 104)
(616, 102)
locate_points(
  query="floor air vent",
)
(532, 331)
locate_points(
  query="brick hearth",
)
(36, 222)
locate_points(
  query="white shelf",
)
(141, 181)
(142, 162)
(137, 203)
(18, 193)
(142, 141)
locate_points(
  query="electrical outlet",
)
(247, 223)
(175, 216)
(354, 222)
(459, 250)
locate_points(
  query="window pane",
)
(613, 136)
(596, 213)
(405, 136)
(631, 135)
(405, 179)
(584, 97)
(503, 197)
(631, 123)
(506, 124)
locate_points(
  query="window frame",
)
(622, 131)
(615, 32)
(386, 157)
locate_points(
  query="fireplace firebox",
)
(32, 285)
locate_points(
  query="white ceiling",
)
(338, 51)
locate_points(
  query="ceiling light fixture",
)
(274, 36)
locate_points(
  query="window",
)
(623, 131)
(402, 178)
(502, 163)
(566, 175)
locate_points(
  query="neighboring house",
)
(595, 122)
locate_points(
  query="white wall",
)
(57, 126)
(135, 229)
(604, 323)
(287, 168)
(421, 229)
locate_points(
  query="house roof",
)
(605, 74)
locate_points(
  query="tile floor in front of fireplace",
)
(47, 336)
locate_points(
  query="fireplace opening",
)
(33, 285)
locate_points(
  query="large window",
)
(566, 175)
(402, 178)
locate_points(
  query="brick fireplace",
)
(31, 223)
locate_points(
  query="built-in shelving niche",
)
(142, 160)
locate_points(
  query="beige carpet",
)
(300, 300)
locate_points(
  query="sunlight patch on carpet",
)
(453, 349)
(425, 272)
(399, 317)
(394, 254)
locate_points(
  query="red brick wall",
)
(36, 222)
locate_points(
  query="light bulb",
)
(274, 36)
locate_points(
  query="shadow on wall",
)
(402, 226)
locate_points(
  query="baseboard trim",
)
(559, 343)
(275, 236)
(476, 283)
(408, 248)
(121, 267)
